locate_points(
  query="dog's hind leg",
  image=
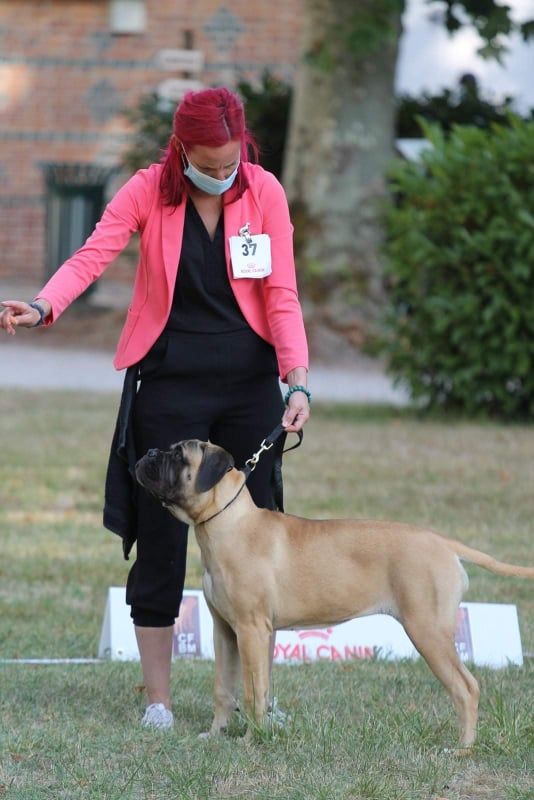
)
(254, 645)
(226, 673)
(436, 644)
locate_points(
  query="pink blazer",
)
(270, 305)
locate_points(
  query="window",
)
(74, 203)
(127, 16)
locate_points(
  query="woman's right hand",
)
(17, 314)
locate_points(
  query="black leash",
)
(279, 433)
(268, 442)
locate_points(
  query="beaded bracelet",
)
(297, 389)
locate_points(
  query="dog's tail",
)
(488, 562)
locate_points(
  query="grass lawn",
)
(368, 730)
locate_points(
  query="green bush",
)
(151, 120)
(460, 273)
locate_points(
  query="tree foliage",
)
(151, 120)
(369, 27)
(460, 250)
(491, 19)
(462, 105)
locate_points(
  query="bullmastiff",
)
(264, 571)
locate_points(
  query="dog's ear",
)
(215, 463)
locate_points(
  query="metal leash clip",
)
(253, 460)
(245, 233)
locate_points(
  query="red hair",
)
(212, 118)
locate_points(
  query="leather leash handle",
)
(300, 434)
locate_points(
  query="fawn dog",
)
(265, 570)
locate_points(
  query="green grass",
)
(360, 730)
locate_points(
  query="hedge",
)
(460, 271)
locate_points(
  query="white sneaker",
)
(157, 716)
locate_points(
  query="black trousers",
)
(221, 387)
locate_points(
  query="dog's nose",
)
(152, 453)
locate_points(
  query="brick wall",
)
(64, 78)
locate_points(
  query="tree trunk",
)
(340, 142)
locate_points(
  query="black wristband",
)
(42, 314)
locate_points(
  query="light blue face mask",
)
(205, 182)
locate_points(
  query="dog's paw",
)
(218, 731)
(459, 752)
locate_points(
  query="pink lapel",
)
(232, 223)
(172, 232)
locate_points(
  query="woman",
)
(214, 320)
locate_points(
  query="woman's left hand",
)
(296, 413)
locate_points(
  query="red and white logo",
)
(319, 644)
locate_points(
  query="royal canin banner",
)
(487, 634)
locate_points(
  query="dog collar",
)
(203, 521)
(250, 464)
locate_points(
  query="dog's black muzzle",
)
(148, 468)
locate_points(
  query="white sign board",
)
(175, 88)
(180, 60)
(487, 634)
(193, 629)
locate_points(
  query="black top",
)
(203, 299)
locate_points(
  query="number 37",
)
(249, 249)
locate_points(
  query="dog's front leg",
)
(254, 645)
(226, 674)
